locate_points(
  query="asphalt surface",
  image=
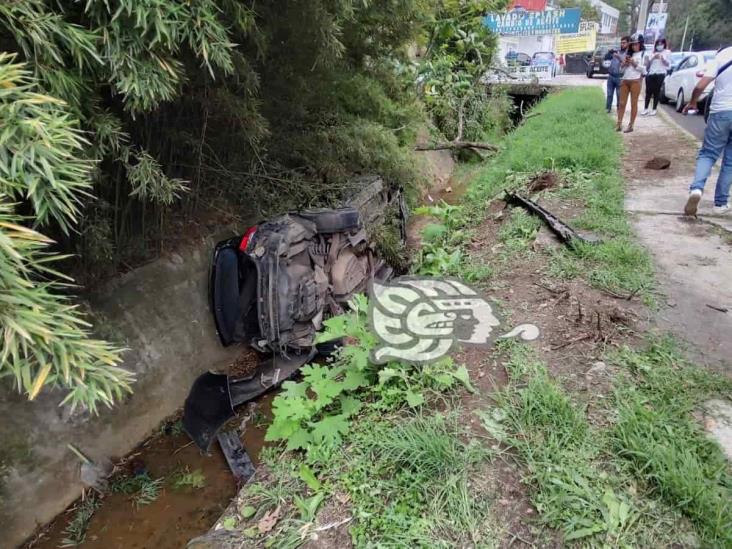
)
(693, 123)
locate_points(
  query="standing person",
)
(634, 66)
(718, 134)
(657, 65)
(615, 72)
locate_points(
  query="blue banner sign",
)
(529, 23)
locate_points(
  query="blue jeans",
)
(613, 88)
(717, 141)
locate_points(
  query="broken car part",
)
(213, 397)
(566, 233)
(236, 456)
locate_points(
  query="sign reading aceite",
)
(564, 21)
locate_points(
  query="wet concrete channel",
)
(178, 513)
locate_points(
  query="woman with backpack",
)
(657, 66)
(634, 68)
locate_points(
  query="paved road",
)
(694, 124)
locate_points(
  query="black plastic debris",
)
(213, 397)
(566, 233)
(236, 456)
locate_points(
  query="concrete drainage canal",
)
(268, 290)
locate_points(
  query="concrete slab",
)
(693, 257)
(718, 423)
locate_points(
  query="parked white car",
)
(681, 82)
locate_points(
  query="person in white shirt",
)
(657, 66)
(634, 67)
(718, 134)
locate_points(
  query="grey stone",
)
(718, 423)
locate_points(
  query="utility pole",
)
(642, 16)
(683, 38)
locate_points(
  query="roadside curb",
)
(678, 126)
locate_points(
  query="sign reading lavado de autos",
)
(529, 23)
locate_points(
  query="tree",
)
(588, 12)
(710, 23)
(80, 64)
(45, 339)
(460, 50)
(176, 109)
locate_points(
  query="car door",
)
(688, 76)
(675, 81)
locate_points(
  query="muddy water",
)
(177, 515)
(453, 192)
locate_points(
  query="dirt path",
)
(693, 257)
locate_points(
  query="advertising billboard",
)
(576, 43)
(530, 23)
(655, 27)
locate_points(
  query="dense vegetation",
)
(128, 123)
(710, 23)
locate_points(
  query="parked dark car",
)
(596, 63)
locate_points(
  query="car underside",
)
(272, 287)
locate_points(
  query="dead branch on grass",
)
(451, 145)
(583, 337)
(627, 297)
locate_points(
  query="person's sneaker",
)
(721, 209)
(644, 112)
(653, 112)
(693, 202)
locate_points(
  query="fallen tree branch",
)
(627, 297)
(577, 339)
(457, 145)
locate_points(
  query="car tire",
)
(663, 97)
(680, 101)
(333, 220)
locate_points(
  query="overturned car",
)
(272, 287)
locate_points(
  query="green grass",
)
(75, 531)
(663, 444)
(412, 483)
(652, 478)
(142, 489)
(518, 232)
(570, 489)
(574, 137)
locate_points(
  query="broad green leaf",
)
(308, 477)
